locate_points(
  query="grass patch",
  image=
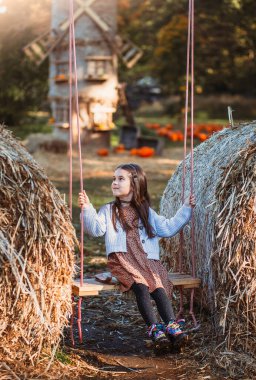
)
(63, 357)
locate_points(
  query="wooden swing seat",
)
(92, 287)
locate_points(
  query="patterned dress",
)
(133, 265)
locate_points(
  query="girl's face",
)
(121, 185)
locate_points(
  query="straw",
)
(225, 220)
(36, 257)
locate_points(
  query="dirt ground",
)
(115, 342)
(57, 169)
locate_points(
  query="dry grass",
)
(36, 259)
(225, 241)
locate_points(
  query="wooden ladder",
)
(92, 287)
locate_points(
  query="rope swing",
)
(189, 86)
(191, 282)
(73, 70)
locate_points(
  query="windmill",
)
(98, 49)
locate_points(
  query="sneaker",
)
(174, 332)
(181, 322)
(157, 332)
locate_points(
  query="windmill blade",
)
(124, 48)
(128, 51)
(98, 21)
(85, 3)
(39, 49)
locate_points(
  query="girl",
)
(131, 230)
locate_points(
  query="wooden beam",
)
(98, 21)
(65, 25)
(185, 280)
(92, 287)
(89, 286)
(98, 58)
(84, 3)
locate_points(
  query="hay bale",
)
(36, 257)
(225, 233)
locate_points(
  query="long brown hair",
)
(140, 200)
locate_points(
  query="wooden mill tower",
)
(98, 48)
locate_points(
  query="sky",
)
(19, 14)
(3, 7)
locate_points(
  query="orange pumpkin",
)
(133, 152)
(119, 148)
(202, 136)
(169, 126)
(175, 135)
(102, 152)
(209, 128)
(146, 151)
(162, 131)
(61, 77)
(180, 135)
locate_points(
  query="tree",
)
(141, 20)
(23, 86)
(225, 42)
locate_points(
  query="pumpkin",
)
(169, 126)
(102, 152)
(203, 136)
(146, 151)
(175, 135)
(180, 135)
(162, 131)
(119, 148)
(61, 77)
(133, 152)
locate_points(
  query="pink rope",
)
(79, 320)
(190, 56)
(186, 104)
(192, 138)
(181, 251)
(72, 53)
(70, 152)
(192, 99)
(72, 322)
(79, 139)
(192, 163)
(185, 133)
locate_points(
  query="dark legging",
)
(163, 304)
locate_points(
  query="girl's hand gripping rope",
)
(190, 201)
(83, 200)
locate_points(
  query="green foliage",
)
(225, 43)
(28, 124)
(23, 85)
(63, 357)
